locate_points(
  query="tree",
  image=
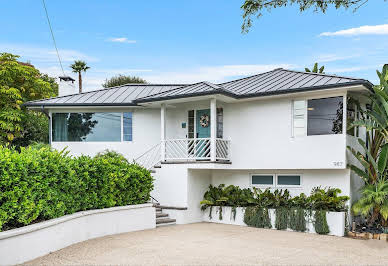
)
(373, 203)
(373, 158)
(20, 82)
(315, 69)
(255, 7)
(79, 66)
(122, 80)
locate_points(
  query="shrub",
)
(290, 212)
(39, 183)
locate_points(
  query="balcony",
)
(198, 149)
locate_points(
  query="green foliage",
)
(281, 220)
(20, 82)
(373, 203)
(122, 80)
(226, 196)
(39, 183)
(78, 67)
(327, 199)
(257, 216)
(290, 212)
(315, 69)
(256, 7)
(320, 223)
(297, 219)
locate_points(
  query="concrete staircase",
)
(162, 219)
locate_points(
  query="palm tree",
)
(78, 67)
(373, 202)
(315, 69)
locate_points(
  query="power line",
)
(52, 35)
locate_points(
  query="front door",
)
(203, 131)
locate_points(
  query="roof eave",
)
(77, 104)
(196, 94)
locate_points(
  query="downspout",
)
(49, 118)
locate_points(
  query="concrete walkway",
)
(210, 244)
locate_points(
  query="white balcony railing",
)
(195, 149)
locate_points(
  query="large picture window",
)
(324, 116)
(87, 127)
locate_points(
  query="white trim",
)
(122, 126)
(289, 186)
(262, 185)
(306, 99)
(275, 181)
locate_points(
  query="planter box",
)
(335, 220)
(32, 241)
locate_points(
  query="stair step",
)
(158, 209)
(160, 214)
(157, 166)
(165, 221)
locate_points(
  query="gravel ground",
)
(210, 244)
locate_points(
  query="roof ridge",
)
(259, 74)
(323, 74)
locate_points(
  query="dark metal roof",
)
(277, 81)
(115, 96)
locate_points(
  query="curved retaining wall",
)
(32, 241)
(335, 220)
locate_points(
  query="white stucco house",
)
(278, 129)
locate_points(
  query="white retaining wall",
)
(32, 241)
(335, 220)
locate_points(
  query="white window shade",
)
(299, 118)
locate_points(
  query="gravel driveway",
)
(209, 244)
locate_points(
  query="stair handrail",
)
(150, 158)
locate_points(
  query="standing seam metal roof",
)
(277, 81)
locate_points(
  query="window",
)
(190, 129)
(87, 127)
(127, 126)
(299, 121)
(262, 180)
(220, 122)
(351, 115)
(273, 181)
(288, 180)
(324, 116)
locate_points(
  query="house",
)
(278, 129)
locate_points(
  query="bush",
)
(290, 212)
(39, 183)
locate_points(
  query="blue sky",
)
(189, 41)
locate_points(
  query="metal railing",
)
(150, 158)
(195, 149)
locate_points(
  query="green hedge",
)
(39, 183)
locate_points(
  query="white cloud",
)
(211, 73)
(122, 40)
(334, 57)
(45, 55)
(363, 30)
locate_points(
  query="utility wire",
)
(52, 35)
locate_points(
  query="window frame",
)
(122, 126)
(51, 139)
(262, 185)
(275, 184)
(289, 186)
(306, 99)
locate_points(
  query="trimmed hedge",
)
(39, 183)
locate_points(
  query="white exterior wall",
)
(309, 179)
(29, 242)
(145, 130)
(261, 138)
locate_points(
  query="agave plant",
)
(373, 202)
